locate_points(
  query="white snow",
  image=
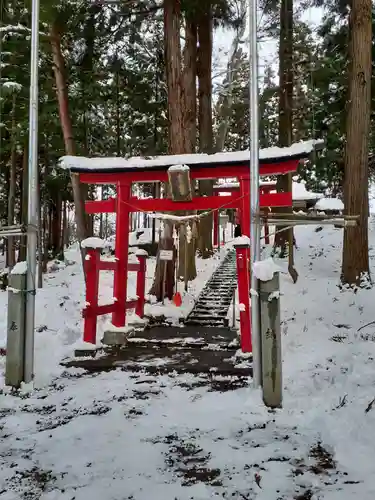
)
(329, 204)
(274, 295)
(93, 242)
(141, 253)
(13, 28)
(178, 168)
(20, 268)
(300, 149)
(241, 240)
(299, 192)
(109, 327)
(14, 86)
(265, 269)
(123, 435)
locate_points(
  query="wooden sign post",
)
(165, 256)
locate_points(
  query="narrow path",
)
(213, 303)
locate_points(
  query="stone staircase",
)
(213, 302)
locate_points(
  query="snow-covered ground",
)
(119, 435)
(59, 309)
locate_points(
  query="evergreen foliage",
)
(117, 91)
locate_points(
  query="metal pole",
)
(33, 196)
(254, 189)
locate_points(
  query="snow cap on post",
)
(241, 242)
(20, 268)
(93, 242)
(141, 253)
(265, 269)
(178, 168)
(329, 204)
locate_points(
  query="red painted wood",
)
(266, 188)
(275, 200)
(101, 206)
(131, 304)
(121, 253)
(204, 172)
(244, 297)
(93, 312)
(109, 206)
(92, 291)
(167, 205)
(204, 203)
(141, 286)
(107, 265)
(133, 266)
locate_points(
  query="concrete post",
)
(271, 342)
(15, 350)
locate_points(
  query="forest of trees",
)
(126, 78)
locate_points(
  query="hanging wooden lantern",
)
(180, 183)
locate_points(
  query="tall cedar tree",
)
(355, 262)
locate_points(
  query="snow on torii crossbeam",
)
(124, 172)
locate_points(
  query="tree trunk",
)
(46, 234)
(205, 121)
(355, 262)
(284, 239)
(64, 226)
(187, 249)
(11, 255)
(190, 84)
(225, 110)
(79, 192)
(57, 227)
(172, 57)
(176, 134)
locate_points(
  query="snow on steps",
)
(213, 303)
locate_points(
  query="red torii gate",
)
(124, 173)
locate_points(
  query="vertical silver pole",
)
(33, 196)
(254, 188)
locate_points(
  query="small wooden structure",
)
(93, 265)
(123, 173)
